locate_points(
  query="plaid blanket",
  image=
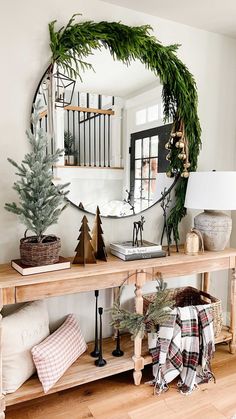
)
(184, 347)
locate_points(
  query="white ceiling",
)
(113, 77)
(212, 15)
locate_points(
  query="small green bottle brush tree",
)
(40, 200)
(69, 144)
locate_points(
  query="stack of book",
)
(30, 270)
(126, 251)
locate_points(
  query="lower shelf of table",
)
(225, 335)
(83, 370)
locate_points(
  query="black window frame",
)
(163, 132)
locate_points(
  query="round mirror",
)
(110, 125)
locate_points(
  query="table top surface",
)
(10, 278)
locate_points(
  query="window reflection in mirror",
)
(113, 137)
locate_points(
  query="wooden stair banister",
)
(81, 109)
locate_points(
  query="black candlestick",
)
(100, 362)
(95, 352)
(118, 351)
(166, 200)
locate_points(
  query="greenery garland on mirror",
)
(72, 44)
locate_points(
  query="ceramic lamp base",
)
(216, 227)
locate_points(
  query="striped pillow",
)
(58, 351)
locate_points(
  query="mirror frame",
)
(167, 192)
(72, 44)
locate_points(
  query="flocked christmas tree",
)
(97, 239)
(84, 249)
(40, 201)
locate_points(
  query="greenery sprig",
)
(72, 44)
(156, 314)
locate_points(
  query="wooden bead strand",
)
(184, 155)
(178, 140)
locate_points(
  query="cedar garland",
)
(72, 44)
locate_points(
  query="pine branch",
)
(71, 46)
(157, 313)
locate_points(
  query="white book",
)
(128, 249)
(30, 270)
(138, 256)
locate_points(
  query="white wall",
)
(25, 55)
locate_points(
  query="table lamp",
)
(213, 192)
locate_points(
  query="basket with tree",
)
(40, 201)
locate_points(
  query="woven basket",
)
(189, 296)
(35, 253)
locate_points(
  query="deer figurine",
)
(138, 231)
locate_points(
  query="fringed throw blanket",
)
(184, 347)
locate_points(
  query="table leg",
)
(206, 281)
(137, 358)
(2, 398)
(232, 345)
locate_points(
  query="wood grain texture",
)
(89, 110)
(224, 336)
(137, 358)
(116, 398)
(177, 264)
(48, 289)
(9, 295)
(109, 275)
(97, 277)
(233, 311)
(206, 282)
(82, 371)
(82, 109)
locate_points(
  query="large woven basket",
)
(190, 296)
(35, 253)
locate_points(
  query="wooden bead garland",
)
(178, 140)
(182, 156)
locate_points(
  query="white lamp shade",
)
(211, 191)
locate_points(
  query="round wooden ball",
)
(187, 165)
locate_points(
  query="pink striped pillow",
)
(58, 351)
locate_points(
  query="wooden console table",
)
(15, 288)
